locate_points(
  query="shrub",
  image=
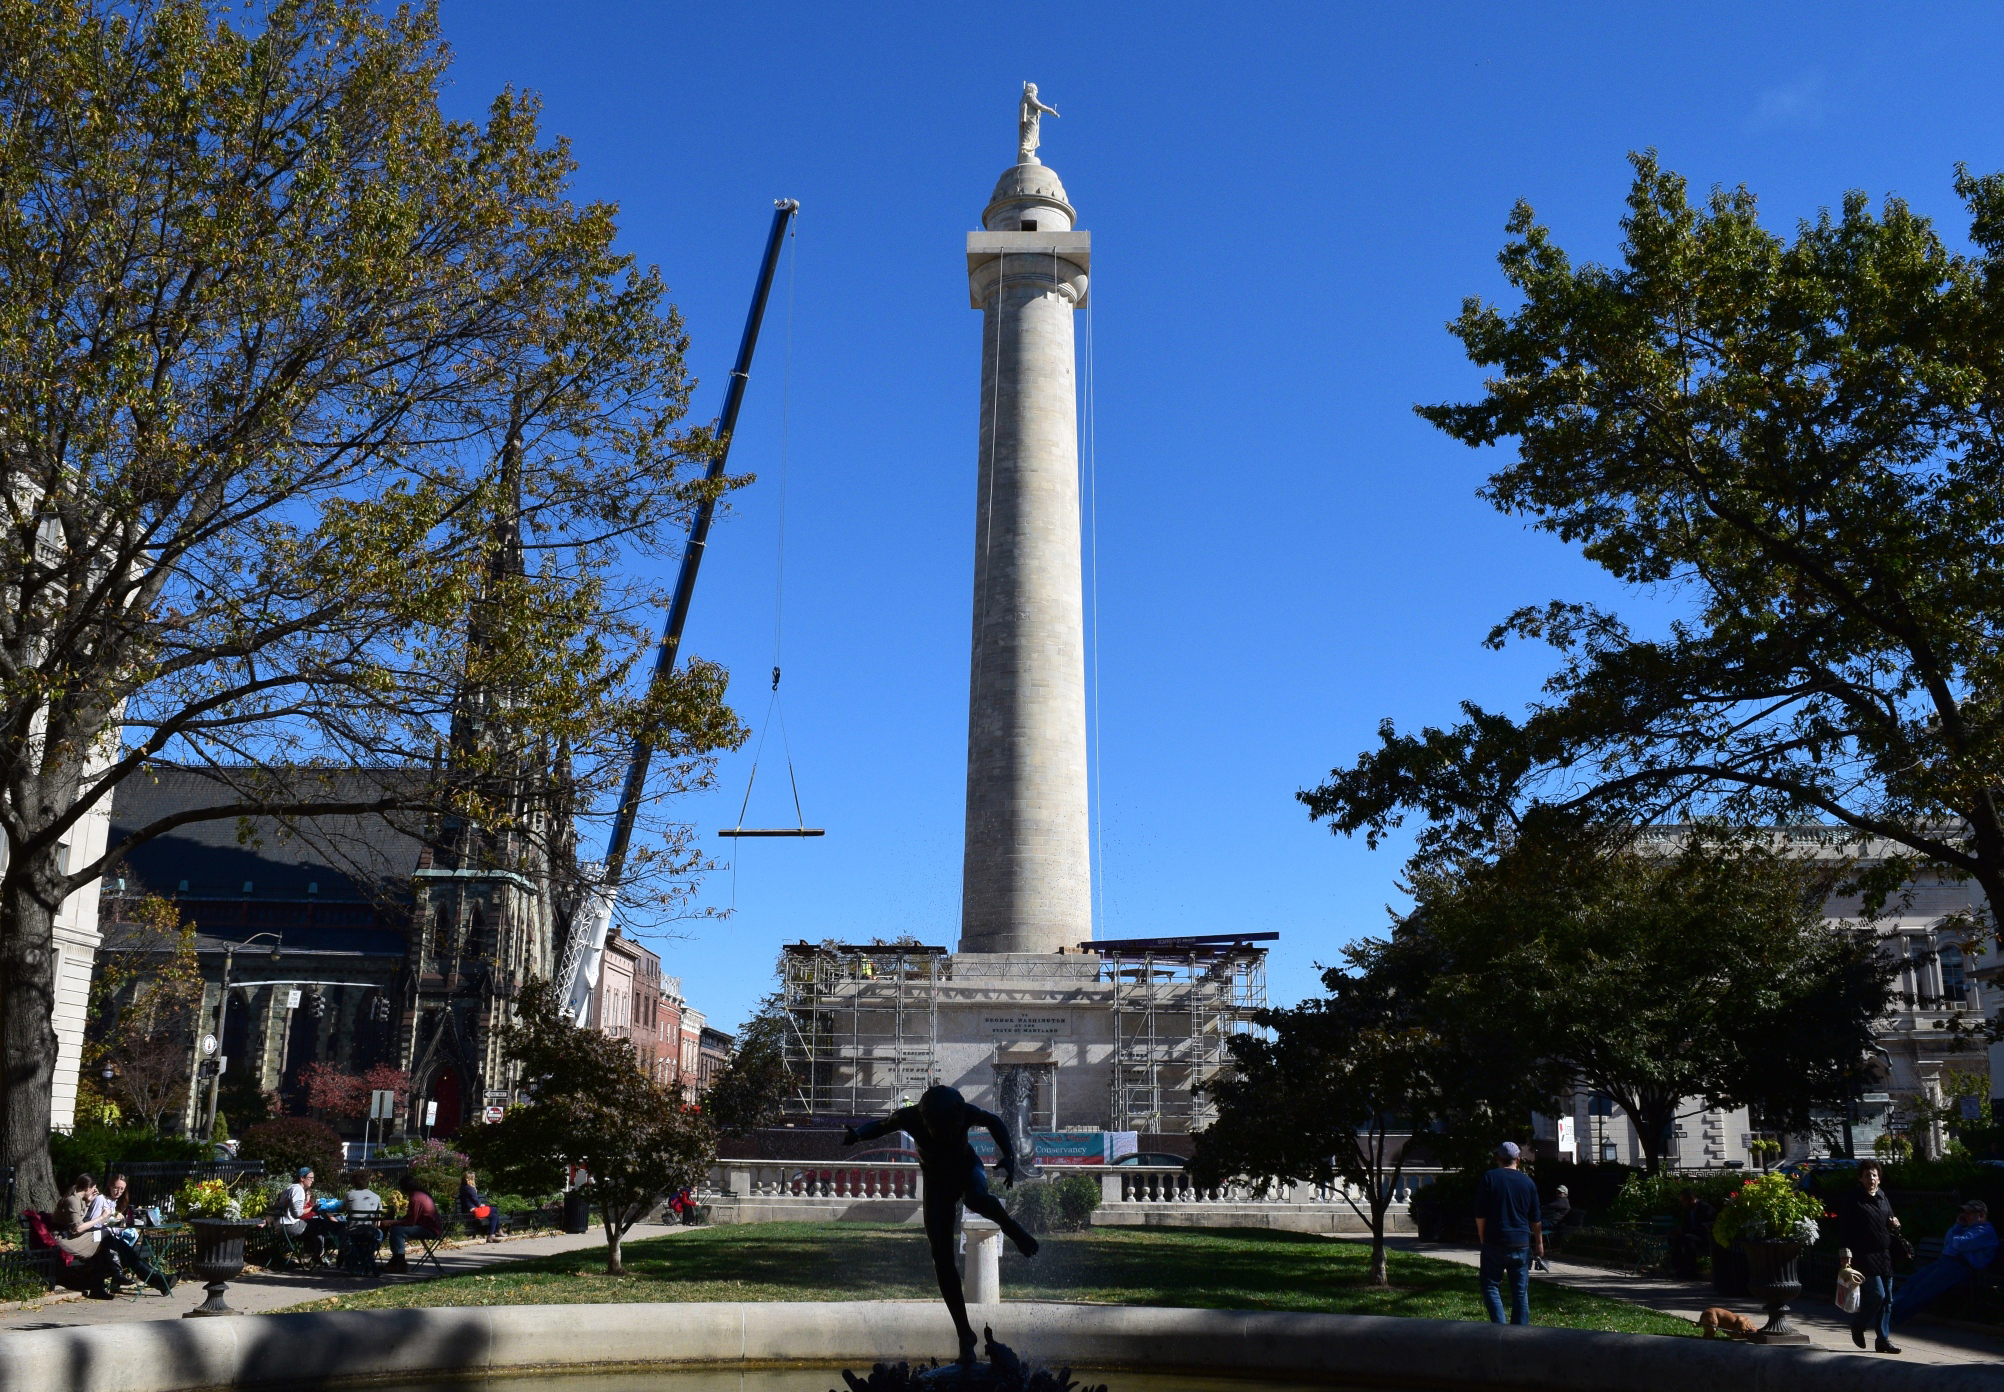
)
(1055, 1205)
(1647, 1196)
(435, 1165)
(1078, 1196)
(287, 1143)
(99, 1149)
(1450, 1196)
(1592, 1187)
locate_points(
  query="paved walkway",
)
(259, 1291)
(1827, 1327)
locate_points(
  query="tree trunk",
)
(613, 1233)
(27, 1029)
(1653, 1121)
(1379, 1275)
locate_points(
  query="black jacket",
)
(1864, 1224)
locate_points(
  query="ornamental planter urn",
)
(219, 1259)
(1772, 1280)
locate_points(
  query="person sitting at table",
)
(470, 1204)
(299, 1215)
(362, 1202)
(104, 1209)
(365, 1212)
(110, 1212)
(421, 1220)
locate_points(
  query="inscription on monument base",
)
(1022, 1025)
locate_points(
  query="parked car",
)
(1151, 1157)
(1800, 1172)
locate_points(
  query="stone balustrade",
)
(755, 1191)
(1148, 1184)
(816, 1180)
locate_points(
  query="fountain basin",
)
(1251, 1347)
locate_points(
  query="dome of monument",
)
(1028, 198)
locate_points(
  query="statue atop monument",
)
(1028, 121)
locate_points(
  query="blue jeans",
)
(1514, 1263)
(1875, 1305)
(1928, 1285)
(401, 1233)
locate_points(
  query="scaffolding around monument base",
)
(1177, 1002)
(863, 1025)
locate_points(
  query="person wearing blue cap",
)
(1508, 1225)
(300, 1216)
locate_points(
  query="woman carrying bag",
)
(1866, 1225)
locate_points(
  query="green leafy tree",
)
(751, 1090)
(1333, 1096)
(1696, 970)
(297, 376)
(592, 1106)
(1799, 436)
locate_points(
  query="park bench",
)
(55, 1266)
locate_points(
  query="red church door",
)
(445, 1092)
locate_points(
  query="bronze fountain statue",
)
(951, 1174)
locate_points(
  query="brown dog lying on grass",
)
(1719, 1320)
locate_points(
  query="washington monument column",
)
(1027, 877)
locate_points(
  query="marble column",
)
(1027, 873)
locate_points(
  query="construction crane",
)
(577, 976)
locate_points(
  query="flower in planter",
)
(1768, 1209)
(207, 1198)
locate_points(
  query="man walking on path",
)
(1509, 1228)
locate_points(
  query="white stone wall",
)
(1021, 1008)
(76, 947)
(1709, 1138)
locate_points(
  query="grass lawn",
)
(1249, 1270)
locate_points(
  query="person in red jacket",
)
(420, 1220)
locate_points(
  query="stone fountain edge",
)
(360, 1346)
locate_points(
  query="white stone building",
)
(76, 940)
(1930, 932)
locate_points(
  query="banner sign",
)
(1070, 1147)
(1059, 1148)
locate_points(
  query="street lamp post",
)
(222, 1019)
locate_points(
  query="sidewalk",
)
(1826, 1326)
(256, 1292)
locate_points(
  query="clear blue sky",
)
(1286, 203)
